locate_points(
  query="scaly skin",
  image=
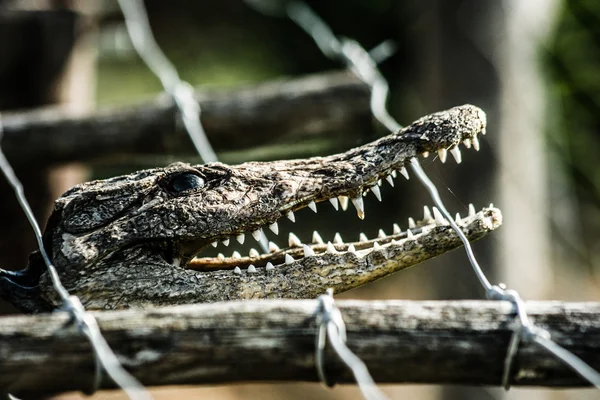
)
(130, 241)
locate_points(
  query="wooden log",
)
(269, 113)
(459, 342)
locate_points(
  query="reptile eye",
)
(185, 182)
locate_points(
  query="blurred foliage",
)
(573, 62)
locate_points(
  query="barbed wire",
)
(365, 68)
(104, 357)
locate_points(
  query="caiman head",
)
(137, 240)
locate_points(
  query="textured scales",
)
(130, 241)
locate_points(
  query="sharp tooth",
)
(475, 143)
(427, 214)
(381, 234)
(396, 228)
(483, 131)
(290, 216)
(443, 153)
(288, 259)
(376, 246)
(455, 151)
(313, 206)
(251, 269)
(236, 254)
(491, 205)
(330, 248)
(293, 240)
(274, 227)
(411, 223)
(273, 247)
(404, 172)
(337, 239)
(225, 242)
(360, 207)
(376, 192)
(240, 238)
(308, 252)
(334, 202)
(254, 253)
(471, 210)
(390, 180)
(343, 202)
(379, 182)
(316, 238)
(467, 143)
(362, 237)
(176, 262)
(351, 249)
(457, 219)
(269, 267)
(394, 174)
(409, 234)
(425, 154)
(214, 244)
(257, 234)
(439, 218)
(221, 256)
(237, 271)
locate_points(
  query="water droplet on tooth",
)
(471, 210)
(397, 229)
(337, 239)
(475, 143)
(390, 180)
(236, 254)
(316, 238)
(404, 172)
(381, 234)
(269, 267)
(240, 238)
(343, 202)
(308, 252)
(288, 259)
(443, 153)
(237, 271)
(411, 223)
(330, 248)
(467, 143)
(334, 202)
(257, 234)
(439, 218)
(455, 151)
(274, 227)
(427, 214)
(351, 249)
(293, 240)
(220, 256)
(409, 234)
(360, 207)
(251, 269)
(376, 192)
(214, 244)
(290, 216)
(225, 242)
(313, 206)
(254, 253)
(362, 237)
(376, 246)
(273, 247)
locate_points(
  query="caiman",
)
(135, 240)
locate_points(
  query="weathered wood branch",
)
(269, 113)
(461, 342)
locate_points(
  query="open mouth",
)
(387, 245)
